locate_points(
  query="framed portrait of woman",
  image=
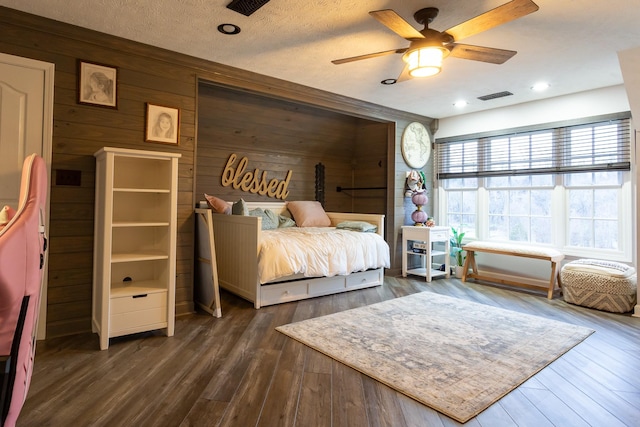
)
(163, 124)
(97, 84)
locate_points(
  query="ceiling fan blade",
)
(404, 75)
(395, 23)
(500, 15)
(367, 56)
(480, 53)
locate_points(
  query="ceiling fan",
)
(429, 47)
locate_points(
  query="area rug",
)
(455, 356)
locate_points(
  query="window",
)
(520, 214)
(565, 186)
(462, 205)
(593, 203)
(462, 194)
(520, 205)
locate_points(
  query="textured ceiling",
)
(572, 44)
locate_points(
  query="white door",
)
(26, 125)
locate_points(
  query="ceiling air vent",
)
(494, 95)
(246, 7)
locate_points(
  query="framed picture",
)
(97, 84)
(163, 124)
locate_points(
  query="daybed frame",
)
(237, 241)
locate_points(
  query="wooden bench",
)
(508, 249)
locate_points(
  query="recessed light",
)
(228, 29)
(460, 104)
(539, 87)
(388, 82)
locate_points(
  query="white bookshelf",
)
(134, 242)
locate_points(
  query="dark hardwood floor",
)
(238, 371)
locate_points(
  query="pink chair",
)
(22, 257)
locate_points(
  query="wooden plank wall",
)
(149, 74)
(80, 131)
(277, 136)
(371, 165)
(402, 205)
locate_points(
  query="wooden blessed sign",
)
(255, 181)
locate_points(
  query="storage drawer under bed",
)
(313, 287)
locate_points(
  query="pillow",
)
(358, 226)
(240, 208)
(218, 205)
(269, 218)
(285, 213)
(309, 214)
(284, 221)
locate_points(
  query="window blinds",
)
(589, 146)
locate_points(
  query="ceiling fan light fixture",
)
(425, 61)
(428, 47)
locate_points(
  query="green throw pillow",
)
(240, 208)
(285, 221)
(270, 219)
(357, 226)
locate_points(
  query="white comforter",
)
(321, 251)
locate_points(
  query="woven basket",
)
(602, 285)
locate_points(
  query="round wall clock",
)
(416, 145)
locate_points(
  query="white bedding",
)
(319, 251)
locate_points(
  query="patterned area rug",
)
(455, 356)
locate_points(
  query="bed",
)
(247, 267)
